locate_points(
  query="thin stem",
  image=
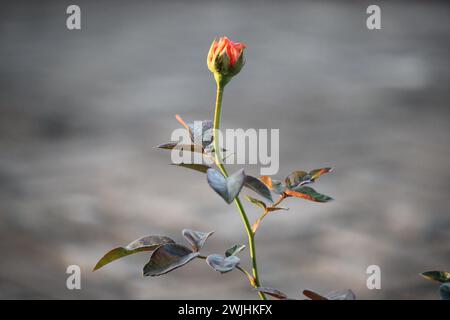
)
(216, 124)
(280, 199)
(217, 152)
(250, 278)
(257, 222)
(266, 212)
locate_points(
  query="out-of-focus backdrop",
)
(81, 112)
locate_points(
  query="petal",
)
(232, 54)
(212, 50)
(222, 44)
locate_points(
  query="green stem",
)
(217, 155)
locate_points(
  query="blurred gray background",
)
(81, 112)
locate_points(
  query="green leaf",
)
(183, 147)
(197, 167)
(297, 178)
(313, 295)
(227, 188)
(278, 187)
(257, 202)
(273, 293)
(444, 291)
(168, 258)
(167, 146)
(196, 239)
(308, 193)
(439, 276)
(221, 263)
(345, 294)
(271, 209)
(148, 243)
(274, 185)
(234, 250)
(316, 173)
(259, 187)
(250, 182)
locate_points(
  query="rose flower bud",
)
(225, 59)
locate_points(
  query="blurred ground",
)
(81, 112)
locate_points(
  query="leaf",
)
(234, 250)
(148, 243)
(257, 202)
(267, 181)
(273, 293)
(221, 263)
(258, 186)
(346, 294)
(271, 209)
(199, 131)
(196, 238)
(249, 182)
(297, 178)
(444, 291)
(278, 187)
(313, 295)
(183, 147)
(197, 167)
(168, 258)
(167, 146)
(308, 193)
(439, 276)
(275, 185)
(227, 188)
(316, 173)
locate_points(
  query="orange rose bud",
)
(225, 58)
